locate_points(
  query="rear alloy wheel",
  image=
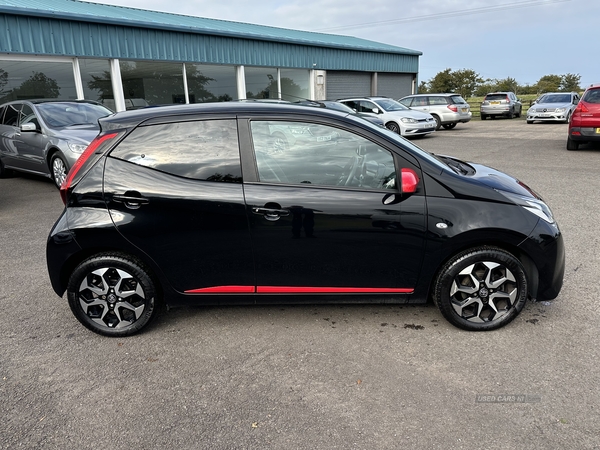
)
(59, 169)
(449, 126)
(572, 145)
(112, 295)
(393, 126)
(481, 289)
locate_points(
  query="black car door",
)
(326, 213)
(175, 191)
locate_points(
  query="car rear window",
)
(458, 100)
(592, 96)
(496, 97)
(205, 150)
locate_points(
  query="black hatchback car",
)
(198, 204)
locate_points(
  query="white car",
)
(397, 117)
(553, 107)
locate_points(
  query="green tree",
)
(442, 82)
(465, 82)
(38, 85)
(508, 84)
(549, 83)
(423, 87)
(570, 82)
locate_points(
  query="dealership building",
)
(128, 58)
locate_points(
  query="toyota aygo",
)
(202, 204)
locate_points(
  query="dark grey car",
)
(46, 137)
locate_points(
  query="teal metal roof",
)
(74, 10)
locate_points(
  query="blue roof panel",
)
(132, 17)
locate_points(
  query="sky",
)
(521, 39)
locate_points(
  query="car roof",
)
(37, 101)
(432, 94)
(127, 119)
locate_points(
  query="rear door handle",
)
(131, 199)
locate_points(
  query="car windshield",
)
(387, 104)
(556, 98)
(66, 114)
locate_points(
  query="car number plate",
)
(544, 115)
(494, 103)
(464, 109)
(597, 130)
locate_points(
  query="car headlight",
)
(77, 148)
(561, 110)
(408, 120)
(534, 205)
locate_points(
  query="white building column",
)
(77, 77)
(117, 85)
(240, 77)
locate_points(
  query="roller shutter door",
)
(348, 84)
(394, 85)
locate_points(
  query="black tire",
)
(568, 118)
(449, 126)
(474, 282)
(530, 121)
(58, 169)
(438, 122)
(483, 117)
(519, 113)
(112, 295)
(572, 145)
(393, 126)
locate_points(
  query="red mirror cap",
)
(410, 181)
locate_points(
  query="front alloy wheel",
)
(112, 295)
(393, 126)
(481, 289)
(59, 169)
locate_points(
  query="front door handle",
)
(271, 213)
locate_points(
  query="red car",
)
(584, 126)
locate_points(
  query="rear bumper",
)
(584, 134)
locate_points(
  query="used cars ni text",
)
(198, 204)
(45, 137)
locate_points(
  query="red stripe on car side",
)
(329, 290)
(223, 290)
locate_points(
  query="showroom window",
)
(22, 80)
(294, 84)
(151, 83)
(95, 77)
(208, 83)
(261, 82)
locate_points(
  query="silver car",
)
(553, 107)
(505, 104)
(446, 109)
(397, 117)
(46, 137)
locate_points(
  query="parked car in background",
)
(188, 205)
(505, 104)
(45, 137)
(446, 109)
(337, 106)
(584, 125)
(553, 107)
(397, 117)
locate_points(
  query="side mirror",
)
(30, 126)
(375, 110)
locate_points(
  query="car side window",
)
(438, 101)
(11, 116)
(28, 116)
(407, 101)
(205, 150)
(319, 155)
(420, 101)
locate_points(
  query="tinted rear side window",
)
(438, 101)
(457, 99)
(203, 150)
(592, 96)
